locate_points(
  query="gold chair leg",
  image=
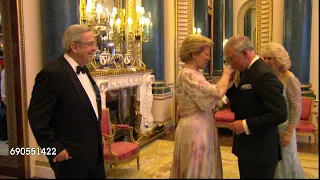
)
(315, 142)
(138, 164)
(115, 167)
(309, 142)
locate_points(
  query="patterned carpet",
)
(156, 157)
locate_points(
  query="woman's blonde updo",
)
(278, 54)
(193, 44)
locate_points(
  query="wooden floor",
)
(225, 139)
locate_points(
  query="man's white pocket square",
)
(246, 86)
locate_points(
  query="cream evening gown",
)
(197, 150)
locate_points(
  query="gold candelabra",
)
(119, 33)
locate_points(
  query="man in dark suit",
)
(65, 110)
(259, 107)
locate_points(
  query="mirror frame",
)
(264, 21)
(14, 55)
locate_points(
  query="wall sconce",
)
(196, 30)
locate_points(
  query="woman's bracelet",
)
(288, 133)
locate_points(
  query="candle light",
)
(89, 6)
(118, 23)
(130, 23)
(199, 31)
(114, 11)
(99, 11)
(111, 24)
(142, 11)
(142, 21)
(147, 21)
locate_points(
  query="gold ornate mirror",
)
(263, 21)
(13, 51)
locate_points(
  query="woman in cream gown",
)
(289, 167)
(197, 151)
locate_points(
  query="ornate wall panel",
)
(184, 25)
(241, 15)
(264, 21)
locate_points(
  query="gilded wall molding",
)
(14, 69)
(8, 160)
(241, 15)
(264, 21)
(23, 85)
(184, 26)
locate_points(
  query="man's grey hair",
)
(73, 34)
(238, 44)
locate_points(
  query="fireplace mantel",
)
(143, 83)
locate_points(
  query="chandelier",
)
(119, 33)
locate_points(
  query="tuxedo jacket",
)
(258, 98)
(61, 115)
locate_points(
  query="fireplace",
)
(121, 104)
(125, 92)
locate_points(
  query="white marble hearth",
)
(143, 83)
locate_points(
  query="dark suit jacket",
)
(264, 108)
(61, 114)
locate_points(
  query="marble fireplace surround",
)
(143, 83)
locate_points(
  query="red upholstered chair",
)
(305, 126)
(223, 117)
(117, 152)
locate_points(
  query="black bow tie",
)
(83, 69)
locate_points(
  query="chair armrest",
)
(109, 141)
(108, 138)
(123, 126)
(316, 114)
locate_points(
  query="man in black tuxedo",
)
(65, 109)
(259, 107)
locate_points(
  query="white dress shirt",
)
(86, 84)
(244, 122)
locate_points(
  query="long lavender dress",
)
(197, 150)
(289, 167)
